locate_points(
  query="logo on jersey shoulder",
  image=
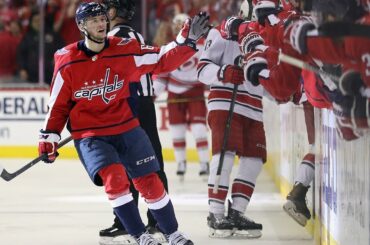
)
(124, 41)
(101, 89)
(62, 51)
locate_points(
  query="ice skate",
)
(115, 236)
(146, 239)
(156, 234)
(243, 226)
(181, 170)
(204, 170)
(296, 205)
(219, 227)
(177, 238)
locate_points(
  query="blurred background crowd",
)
(32, 30)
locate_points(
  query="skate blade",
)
(220, 233)
(247, 234)
(118, 240)
(290, 209)
(159, 237)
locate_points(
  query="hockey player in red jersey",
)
(268, 29)
(282, 82)
(325, 49)
(183, 84)
(341, 45)
(120, 14)
(91, 89)
(219, 68)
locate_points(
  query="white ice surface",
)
(57, 204)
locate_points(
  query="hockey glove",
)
(345, 131)
(342, 108)
(231, 74)
(193, 30)
(250, 41)
(360, 113)
(254, 64)
(298, 35)
(48, 143)
(354, 110)
(229, 28)
(350, 83)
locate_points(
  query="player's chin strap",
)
(86, 34)
(92, 39)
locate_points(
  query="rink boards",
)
(342, 189)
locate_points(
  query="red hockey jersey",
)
(92, 91)
(280, 80)
(352, 52)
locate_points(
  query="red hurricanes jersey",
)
(92, 91)
(352, 52)
(280, 80)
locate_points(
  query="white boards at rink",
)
(339, 197)
(22, 112)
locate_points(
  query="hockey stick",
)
(365, 92)
(237, 61)
(180, 100)
(9, 176)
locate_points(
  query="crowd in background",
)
(20, 30)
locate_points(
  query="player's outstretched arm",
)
(170, 56)
(193, 30)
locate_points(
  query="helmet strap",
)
(86, 34)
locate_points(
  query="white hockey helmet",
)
(246, 9)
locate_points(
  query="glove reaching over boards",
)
(193, 30)
(48, 144)
(250, 42)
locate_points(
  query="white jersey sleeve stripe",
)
(166, 48)
(146, 59)
(57, 87)
(153, 58)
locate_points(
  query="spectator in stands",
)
(163, 34)
(167, 9)
(28, 51)
(9, 39)
(66, 24)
